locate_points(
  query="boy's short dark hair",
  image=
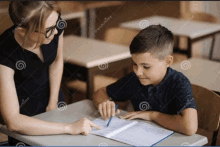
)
(154, 39)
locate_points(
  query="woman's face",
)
(50, 22)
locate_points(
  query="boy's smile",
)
(149, 69)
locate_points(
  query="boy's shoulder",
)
(177, 77)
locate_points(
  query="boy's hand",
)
(107, 109)
(146, 115)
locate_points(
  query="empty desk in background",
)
(95, 57)
(202, 72)
(193, 30)
(86, 109)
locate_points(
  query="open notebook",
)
(131, 132)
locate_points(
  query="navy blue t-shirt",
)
(31, 74)
(171, 96)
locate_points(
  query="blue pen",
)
(116, 106)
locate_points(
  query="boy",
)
(156, 91)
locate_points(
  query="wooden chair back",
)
(208, 104)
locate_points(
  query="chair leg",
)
(212, 47)
(214, 138)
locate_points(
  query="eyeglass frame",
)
(52, 28)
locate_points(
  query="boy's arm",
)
(100, 96)
(186, 122)
(103, 104)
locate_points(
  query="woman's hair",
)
(32, 16)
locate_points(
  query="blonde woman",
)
(31, 67)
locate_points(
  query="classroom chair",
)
(124, 36)
(208, 104)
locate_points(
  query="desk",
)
(95, 57)
(202, 72)
(194, 31)
(86, 109)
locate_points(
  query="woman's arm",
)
(16, 122)
(55, 74)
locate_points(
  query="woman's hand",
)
(82, 126)
(51, 107)
(146, 115)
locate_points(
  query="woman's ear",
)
(21, 31)
(169, 60)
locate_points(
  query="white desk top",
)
(202, 72)
(86, 109)
(180, 27)
(90, 53)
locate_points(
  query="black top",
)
(31, 74)
(171, 96)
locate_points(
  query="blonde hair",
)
(32, 16)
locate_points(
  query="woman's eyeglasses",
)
(50, 31)
(59, 24)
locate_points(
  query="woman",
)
(31, 67)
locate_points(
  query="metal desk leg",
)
(189, 54)
(212, 47)
(92, 21)
(83, 25)
(89, 84)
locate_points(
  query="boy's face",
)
(149, 69)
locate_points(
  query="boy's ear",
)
(169, 60)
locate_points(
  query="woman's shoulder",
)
(7, 39)
(8, 46)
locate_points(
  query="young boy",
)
(156, 91)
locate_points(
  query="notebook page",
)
(117, 125)
(142, 134)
